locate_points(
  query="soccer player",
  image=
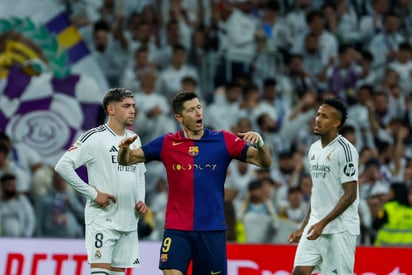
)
(328, 235)
(115, 193)
(196, 161)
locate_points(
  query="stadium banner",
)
(51, 87)
(68, 257)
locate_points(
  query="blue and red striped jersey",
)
(196, 173)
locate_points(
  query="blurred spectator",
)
(372, 21)
(202, 58)
(223, 112)
(60, 212)
(8, 166)
(327, 41)
(171, 36)
(311, 59)
(369, 74)
(110, 51)
(370, 177)
(158, 207)
(249, 102)
(171, 77)
(153, 105)
(22, 155)
(274, 27)
(402, 64)
(291, 214)
(16, 212)
(384, 45)
(130, 78)
(24, 161)
(358, 115)
(295, 208)
(396, 96)
(342, 76)
(266, 63)
(239, 38)
(342, 21)
(258, 215)
(141, 36)
(300, 79)
(296, 18)
(241, 174)
(393, 222)
(305, 186)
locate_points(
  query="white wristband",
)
(260, 142)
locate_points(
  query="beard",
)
(100, 48)
(10, 193)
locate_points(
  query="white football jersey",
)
(97, 149)
(330, 167)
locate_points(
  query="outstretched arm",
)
(127, 156)
(260, 155)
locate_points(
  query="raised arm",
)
(127, 156)
(260, 155)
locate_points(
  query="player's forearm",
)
(123, 156)
(344, 202)
(264, 156)
(306, 219)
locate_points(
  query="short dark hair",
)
(4, 137)
(116, 95)
(179, 99)
(347, 129)
(6, 177)
(4, 148)
(339, 106)
(254, 184)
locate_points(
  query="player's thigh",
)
(176, 250)
(126, 250)
(308, 252)
(340, 256)
(100, 242)
(209, 255)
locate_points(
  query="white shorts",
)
(330, 253)
(106, 245)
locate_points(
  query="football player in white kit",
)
(115, 193)
(328, 235)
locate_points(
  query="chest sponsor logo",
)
(189, 167)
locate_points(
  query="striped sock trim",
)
(99, 271)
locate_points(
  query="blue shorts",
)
(206, 249)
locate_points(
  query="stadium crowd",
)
(261, 65)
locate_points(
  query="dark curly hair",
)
(340, 107)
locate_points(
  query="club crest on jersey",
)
(163, 258)
(194, 150)
(329, 156)
(97, 254)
